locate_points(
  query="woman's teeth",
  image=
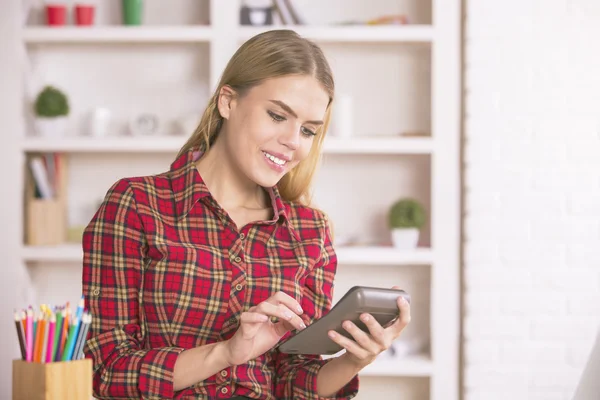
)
(274, 159)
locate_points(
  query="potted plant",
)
(51, 110)
(406, 218)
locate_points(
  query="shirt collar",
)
(189, 187)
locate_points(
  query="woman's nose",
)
(291, 137)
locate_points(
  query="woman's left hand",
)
(365, 347)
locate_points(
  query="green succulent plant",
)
(406, 213)
(51, 102)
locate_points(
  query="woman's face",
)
(271, 128)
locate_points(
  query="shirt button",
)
(224, 390)
(96, 292)
(242, 236)
(238, 287)
(238, 259)
(223, 373)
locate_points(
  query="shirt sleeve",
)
(296, 374)
(113, 253)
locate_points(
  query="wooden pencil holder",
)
(63, 380)
(46, 222)
(46, 218)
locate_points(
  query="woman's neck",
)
(227, 184)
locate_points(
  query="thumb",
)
(282, 327)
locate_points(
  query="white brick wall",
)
(532, 194)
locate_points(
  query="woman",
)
(194, 275)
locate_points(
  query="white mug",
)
(100, 121)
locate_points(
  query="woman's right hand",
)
(257, 333)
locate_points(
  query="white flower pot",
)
(51, 127)
(405, 238)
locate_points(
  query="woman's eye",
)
(276, 117)
(307, 132)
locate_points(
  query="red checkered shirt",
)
(165, 269)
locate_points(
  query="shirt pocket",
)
(282, 267)
(187, 293)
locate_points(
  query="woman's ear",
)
(226, 98)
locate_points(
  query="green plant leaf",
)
(51, 102)
(406, 213)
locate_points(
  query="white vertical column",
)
(14, 284)
(224, 19)
(445, 192)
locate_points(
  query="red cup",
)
(56, 14)
(84, 14)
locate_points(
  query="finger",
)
(362, 338)
(253, 317)
(350, 345)
(250, 323)
(282, 312)
(404, 318)
(375, 329)
(283, 327)
(284, 298)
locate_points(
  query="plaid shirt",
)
(165, 269)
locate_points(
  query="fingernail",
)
(332, 334)
(299, 309)
(302, 325)
(287, 315)
(365, 318)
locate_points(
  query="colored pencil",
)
(38, 330)
(29, 334)
(57, 332)
(50, 341)
(87, 319)
(20, 334)
(44, 348)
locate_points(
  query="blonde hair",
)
(268, 55)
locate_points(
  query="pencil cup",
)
(66, 380)
(46, 222)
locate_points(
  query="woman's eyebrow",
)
(289, 110)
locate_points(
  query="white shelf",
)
(379, 145)
(346, 255)
(105, 145)
(354, 33)
(117, 34)
(383, 256)
(414, 366)
(362, 145)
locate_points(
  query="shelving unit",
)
(434, 106)
(356, 34)
(117, 34)
(170, 145)
(346, 255)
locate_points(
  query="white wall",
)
(532, 180)
(13, 275)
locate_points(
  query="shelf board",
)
(360, 255)
(357, 145)
(346, 255)
(353, 33)
(420, 366)
(379, 145)
(117, 34)
(105, 145)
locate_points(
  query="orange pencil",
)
(42, 334)
(39, 334)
